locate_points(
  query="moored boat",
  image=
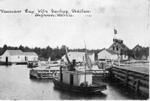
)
(71, 79)
(32, 64)
(78, 86)
(43, 73)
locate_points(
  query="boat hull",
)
(43, 75)
(84, 90)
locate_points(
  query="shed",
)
(13, 56)
(78, 56)
(106, 54)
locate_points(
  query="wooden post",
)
(137, 85)
(126, 79)
(61, 75)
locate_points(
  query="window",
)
(117, 48)
(113, 48)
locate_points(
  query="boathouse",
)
(78, 56)
(30, 56)
(17, 56)
(12, 56)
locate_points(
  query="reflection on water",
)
(73, 96)
(16, 84)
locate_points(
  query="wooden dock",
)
(136, 78)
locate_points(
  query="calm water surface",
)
(16, 84)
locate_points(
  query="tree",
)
(5, 47)
(21, 47)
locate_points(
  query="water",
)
(15, 84)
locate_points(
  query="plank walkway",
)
(141, 68)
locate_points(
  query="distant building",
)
(17, 56)
(78, 56)
(13, 56)
(120, 48)
(137, 48)
(106, 54)
(30, 56)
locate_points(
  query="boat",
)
(44, 72)
(32, 64)
(71, 79)
(81, 87)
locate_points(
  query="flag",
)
(115, 31)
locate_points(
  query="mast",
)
(85, 64)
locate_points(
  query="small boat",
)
(73, 80)
(43, 72)
(54, 64)
(32, 64)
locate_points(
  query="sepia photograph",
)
(74, 49)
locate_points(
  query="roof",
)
(110, 51)
(79, 53)
(78, 56)
(19, 52)
(121, 45)
(30, 53)
(137, 46)
(15, 52)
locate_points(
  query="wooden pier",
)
(136, 80)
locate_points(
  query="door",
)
(6, 59)
(71, 79)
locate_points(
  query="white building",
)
(78, 56)
(30, 56)
(13, 56)
(17, 56)
(106, 54)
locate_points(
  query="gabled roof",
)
(19, 52)
(79, 53)
(110, 51)
(30, 53)
(15, 52)
(137, 46)
(121, 45)
(78, 56)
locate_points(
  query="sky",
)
(129, 17)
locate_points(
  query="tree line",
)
(44, 53)
(58, 52)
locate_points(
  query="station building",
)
(118, 50)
